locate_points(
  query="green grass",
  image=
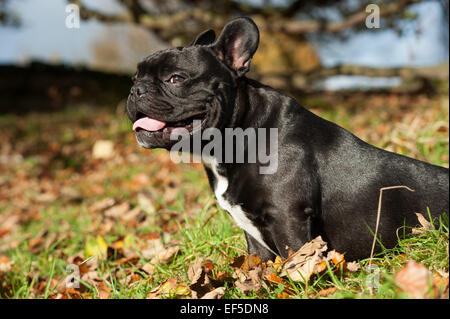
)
(56, 150)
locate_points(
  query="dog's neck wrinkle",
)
(241, 111)
(247, 111)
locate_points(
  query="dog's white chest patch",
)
(235, 211)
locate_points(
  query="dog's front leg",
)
(254, 247)
(291, 230)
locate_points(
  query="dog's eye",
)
(176, 79)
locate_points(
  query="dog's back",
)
(353, 172)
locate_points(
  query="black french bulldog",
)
(328, 181)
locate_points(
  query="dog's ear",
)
(205, 38)
(237, 43)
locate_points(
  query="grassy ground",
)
(147, 221)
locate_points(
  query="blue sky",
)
(44, 36)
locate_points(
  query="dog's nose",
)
(139, 90)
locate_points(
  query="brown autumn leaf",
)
(439, 286)
(157, 253)
(170, 194)
(84, 265)
(104, 291)
(199, 279)
(250, 281)
(413, 279)
(103, 149)
(71, 194)
(217, 293)
(130, 278)
(8, 223)
(132, 216)
(148, 268)
(165, 255)
(306, 261)
(92, 277)
(284, 295)
(352, 266)
(248, 271)
(203, 285)
(246, 262)
(117, 211)
(274, 280)
(141, 179)
(45, 197)
(276, 265)
(324, 292)
(424, 223)
(34, 244)
(102, 204)
(5, 264)
(146, 203)
(137, 182)
(336, 258)
(169, 288)
(66, 294)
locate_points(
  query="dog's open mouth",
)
(155, 128)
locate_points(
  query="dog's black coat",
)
(328, 181)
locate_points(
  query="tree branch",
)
(198, 18)
(296, 27)
(414, 78)
(87, 14)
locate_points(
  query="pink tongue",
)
(148, 124)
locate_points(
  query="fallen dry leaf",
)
(248, 271)
(352, 266)
(249, 281)
(424, 223)
(169, 288)
(8, 223)
(149, 268)
(45, 198)
(273, 278)
(214, 294)
(117, 211)
(165, 255)
(102, 204)
(413, 279)
(96, 247)
(203, 285)
(200, 281)
(324, 292)
(246, 262)
(440, 286)
(157, 253)
(104, 291)
(103, 149)
(66, 294)
(131, 215)
(5, 264)
(335, 257)
(275, 265)
(146, 204)
(305, 261)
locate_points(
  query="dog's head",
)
(174, 87)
